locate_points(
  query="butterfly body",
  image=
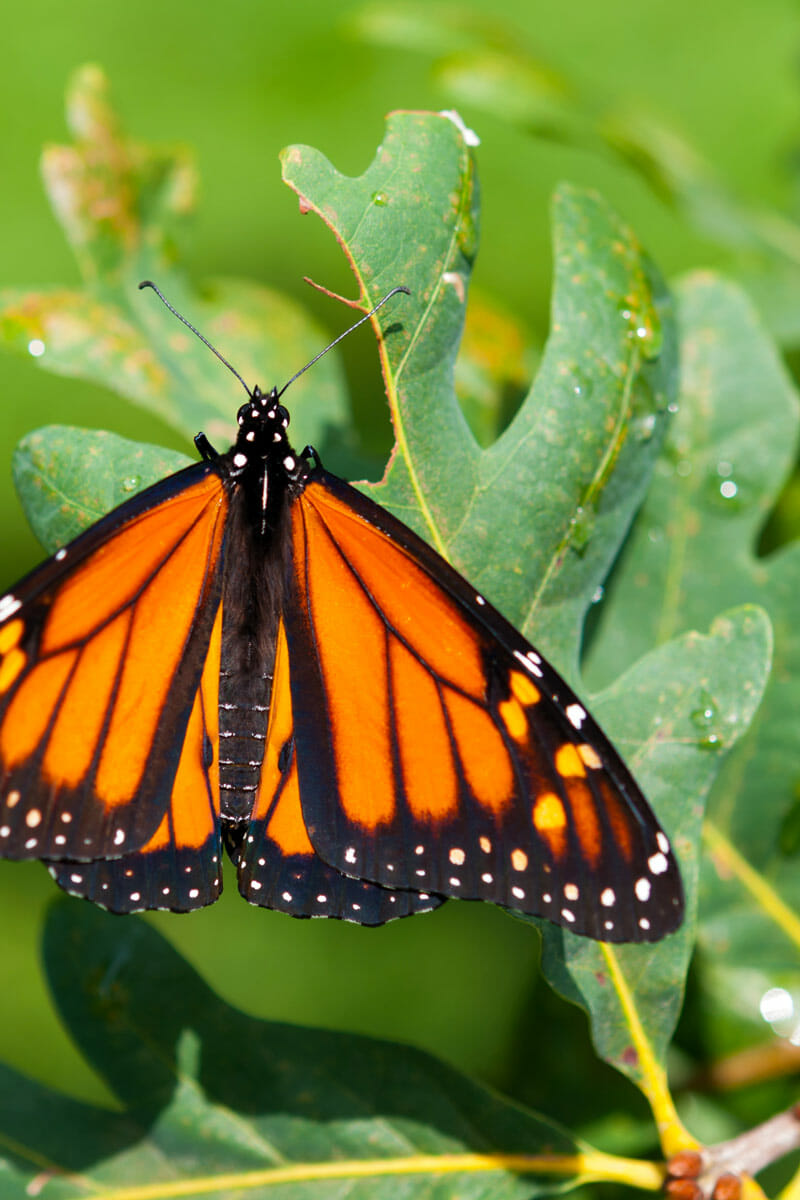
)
(333, 702)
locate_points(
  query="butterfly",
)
(251, 654)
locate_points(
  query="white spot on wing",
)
(642, 889)
(576, 715)
(350, 854)
(607, 897)
(663, 842)
(8, 606)
(657, 864)
(457, 857)
(528, 664)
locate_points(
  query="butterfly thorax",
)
(263, 474)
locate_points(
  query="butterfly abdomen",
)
(253, 597)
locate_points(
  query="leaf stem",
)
(653, 1081)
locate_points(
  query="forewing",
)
(101, 654)
(278, 866)
(436, 749)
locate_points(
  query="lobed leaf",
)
(124, 207)
(732, 445)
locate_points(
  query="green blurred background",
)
(239, 81)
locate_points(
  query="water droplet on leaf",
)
(725, 493)
(131, 483)
(705, 719)
(380, 198)
(582, 528)
(644, 325)
(644, 427)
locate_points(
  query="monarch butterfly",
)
(251, 653)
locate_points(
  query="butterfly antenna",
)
(336, 340)
(148, 283)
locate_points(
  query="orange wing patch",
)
(113, 633)
(179, 867)
(278, 866)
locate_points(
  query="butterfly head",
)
(263, 441)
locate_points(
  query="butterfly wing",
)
(101, 655)
(278, 866)
(436, 749)
(179, 868)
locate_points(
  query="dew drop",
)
(380, 198)
(644, 326)
(131, 483)
(705, 719)
(582, 528)
(644, 427)
(725, 493)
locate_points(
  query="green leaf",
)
(732, 445)
(495, 362)
(560, 486)
(235, 1104)
(124, 207)
(69, 478)
(634, 993)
